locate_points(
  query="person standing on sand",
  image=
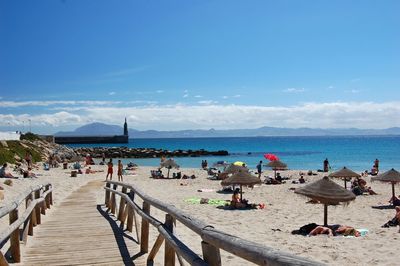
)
(109, 169)
(376, 165)
(28, 158)
(326, 165)
(119, 173)
(259, 169)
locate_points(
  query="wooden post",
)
(144, 239)
(211, 254)
(169, 253)
(155, 249)
(37, 208)
(107, 201)
(393, 194)
(129, 223)
(14, 238)
(113, 203)
(3, 261)
(325, 215)
(51, 197)
(47, 197)
(122, 205)
(43, 207)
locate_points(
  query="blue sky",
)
(199, 64)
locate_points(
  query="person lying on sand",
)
(3, 172)
(395, 221)
(335, 230)
(395, 201)
(90, 171)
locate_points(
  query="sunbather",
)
(3, 172)
(396, 219)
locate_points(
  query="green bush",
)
(15, 148)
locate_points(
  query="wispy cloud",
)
(354, 91)
(237, 96)
(126, 71)
(331, 87)
(355, 80)
(159, 91)
(198, 96)
(294, 90)
(225, 97)
(111, 93)
(210, 114)
(207, 102)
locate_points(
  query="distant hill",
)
(93, 129)
(100, 129)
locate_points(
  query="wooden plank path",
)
(80, 232)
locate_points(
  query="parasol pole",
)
(275, 172)
(345, 183)
(168, 172)
(241, 193)
(393, 194)
(325, 215)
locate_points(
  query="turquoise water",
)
(357, 153)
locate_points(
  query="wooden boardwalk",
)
(81, 232)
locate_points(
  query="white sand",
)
(284, 210)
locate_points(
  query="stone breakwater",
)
(124, 152)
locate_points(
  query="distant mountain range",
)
(100, 129)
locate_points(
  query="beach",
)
(284, 211)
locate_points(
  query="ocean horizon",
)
(303, 152)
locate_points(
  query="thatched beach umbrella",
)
(169, 164)
(242, 179)
(276, 165)
(326, 192)
(344, 173)
(233, 168)
(391, 176)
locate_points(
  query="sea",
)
(307, 153)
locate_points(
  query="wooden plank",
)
(144, 238)
(14, 238)
(169, 253)
(155, 248)
(211, 254)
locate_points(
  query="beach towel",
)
(215, 202)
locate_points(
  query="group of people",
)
(238, 203)
(204, 164)
(110, 170)
(359, 187)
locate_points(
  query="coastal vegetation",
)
(14, 150)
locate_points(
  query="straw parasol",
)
(391, 176)
(242, 179)
(233, 168)
(170, 163)
(276, 165)
(326, 192)
(344, 173)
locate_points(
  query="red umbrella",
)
(271, 157)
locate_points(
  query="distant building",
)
(125, 128)
(10, 136)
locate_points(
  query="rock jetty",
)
(125, 152)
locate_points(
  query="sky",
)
(199, 64)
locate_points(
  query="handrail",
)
(212, 239)
(38, 199)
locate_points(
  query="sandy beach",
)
(285, 211)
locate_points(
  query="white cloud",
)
(208, 114)
(294, 90)
(198, 96)
(159, 91)
(224, 97)
(111, 93)
(207, 102)
(185, 95)
(331, 87)
(237, 96)
(353, 91)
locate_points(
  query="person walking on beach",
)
(109, 169)
(119, 173)
(326, 165)
(259, 169)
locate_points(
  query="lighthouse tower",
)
(125, 128)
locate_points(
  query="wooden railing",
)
(37, 200)
(212, 239)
